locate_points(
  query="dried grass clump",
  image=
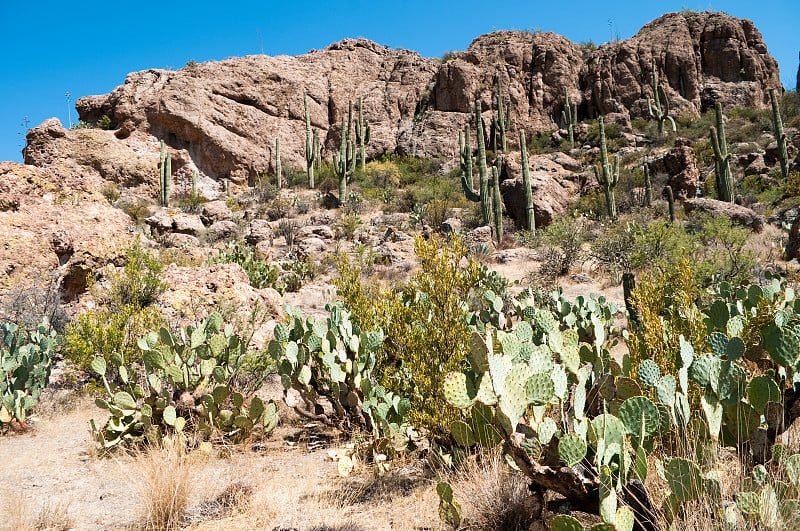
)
(163, 486)
(17, 515)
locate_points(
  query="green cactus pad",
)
(529, 312)
(735, 326)
(571, 449)
(570, 338)
(640, 416)
(563, 522)
(718, 343)
(791, 468)
(124, 401)
(608, 428)
(499, 366)
(624, 520)
(458, 390)
(684, 479)
(544, 321)
(719, 314)
(509, 344)
(546, 430)
(769, 507)
(748, 502)
(649, 373)
(523, 331)
(541, 359)
(571, 359)
(705, 371)
(539, 389)
(462, 433)
(735, 348)
(478, 353)
(686, 352)
(665, 390)
(512, 405)
(560, 383)
(782, 344)
(519, 373)
(525, 351)
(486, 394)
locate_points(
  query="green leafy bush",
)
(262, 274)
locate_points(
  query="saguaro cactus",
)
(648, 185)
(501, 120)
(278, 169)
(670, 202)
(362, 134)
(165, 175)
(526, 184)
(659, 105)
(497, 202)
(344, 162)
(482, 196)
(607, 174)
(780, 136)
(312, 146)
(722, 159)
(570, 117)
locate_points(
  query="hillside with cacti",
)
(531, 285)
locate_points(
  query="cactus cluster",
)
(25, 362)
(312, 146)
(332, 359)
(659, 104)
(483, 194)
(500, 119)
(722, 159)
(526, 184)
(362, 130)
(344, 163)
(607, 174)
(187, 379)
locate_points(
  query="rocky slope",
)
(222, 118)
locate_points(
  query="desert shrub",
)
(279, 207)
(560, 248)
(384, 173)
(424, 323)
(353, 203)
(261, 274)
(288, 229)
(139, 284)
(192, 202)
(28, 305)
(347, 225)
(110, 191)
(612, 251)
(436, 212)
(138, 210)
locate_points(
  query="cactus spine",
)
(670, 203)
(165, 171)
(362, 134)
(500, 122)
(780, 136)
(482, 196)
(278, 169)
(312, 146)
(607, 174)
(570, 117)
(526, 184)
(722, 159)
(344, 162)
(648, 185)
(659, 105)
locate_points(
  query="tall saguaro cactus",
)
(312, 146)
(780, 136)
(607, 174)
(570, 117)
(659, 105)
(278, 169)
(362, 134)
(648, 185)
(482, 196)
(501, 120)
(165, 175)
(344, 163)
(526, 184)
(722, 159)
(497, 203)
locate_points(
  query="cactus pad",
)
(512, 405)
(608, 428)
(735, 326)
(544, 321)
(478, 353)
(649, 373)
(735, 348)
(563, 522)
(705, 371)
(640, 416)
(458, 390)
(541, 359)
(782, 344)
(665, 390)
(281, 332)
(539, 389)
(486, 394)
(499, 366)
(571, 449)
(523, 331)
(683, 478)
(626, 388)
(718, 343)
(546, 430)
(462, 433)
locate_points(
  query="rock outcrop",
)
(221, 118)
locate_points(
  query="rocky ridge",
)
(222, 117)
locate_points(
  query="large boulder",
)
(736, 213)
(680, 166)
(551, 185)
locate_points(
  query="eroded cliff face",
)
(222, 118)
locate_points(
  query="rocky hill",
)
(222, 118)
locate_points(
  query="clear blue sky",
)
(49, 48)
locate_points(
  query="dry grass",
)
(17, 515)
(163, 485)
(494, 497)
